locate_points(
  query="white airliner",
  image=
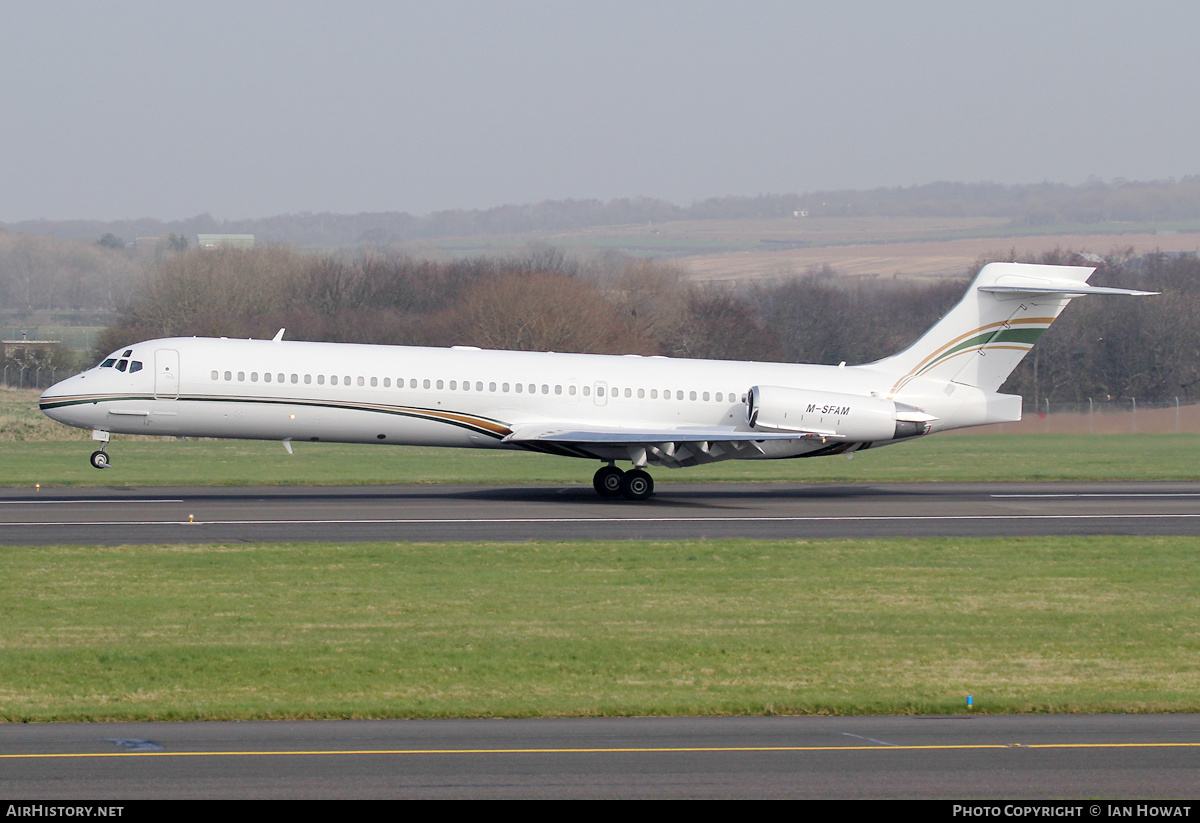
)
(650, 411)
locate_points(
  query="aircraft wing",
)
(668, 446)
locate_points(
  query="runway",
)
(1010, 757)
(100, 516)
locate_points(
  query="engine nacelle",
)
(858, 418)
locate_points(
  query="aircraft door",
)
(166, 374)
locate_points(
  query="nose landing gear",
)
(100, 459)
(635, 484)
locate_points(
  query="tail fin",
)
(983, 338)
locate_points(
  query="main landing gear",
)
(634, 484)
(100, 459)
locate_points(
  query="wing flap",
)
(601, 435)
(674, 447)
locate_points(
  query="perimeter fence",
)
(1128, 416)
(30, 377)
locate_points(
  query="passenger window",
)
(532, 389)
(654, 394)
(587, 391)
(320, 380)
(519, 388)
(266, 377)
(479, 385)
(558, 389)
(295, 378)
(412, 384)
(453, 385)
(691, 395)
(505, 388)
(215, 375)
(679, 395)
(361, 382)
(628, 393)
(346, 380)
(374, 382)
(228, 376)
(571, 390)
(440, 384)
(641, 394)
(333, 380)
(307, 379)
(706, 397)
(718, 397)
(491, 386)
(241, 377)
(279, 378)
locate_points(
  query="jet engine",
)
(857, 418)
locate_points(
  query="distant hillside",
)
(1025, 206)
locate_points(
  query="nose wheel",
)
(100, 459)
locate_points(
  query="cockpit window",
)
(128, 353)
(107, 364)
(135, 366)
(122, 365)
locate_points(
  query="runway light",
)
(37, 487)
(191, 518)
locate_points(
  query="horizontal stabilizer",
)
(1068, 289)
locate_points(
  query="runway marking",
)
(553, 520)
(613, 750)
(868, 739)
(1102, 494)
(85, 502)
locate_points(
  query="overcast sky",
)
(249, 109)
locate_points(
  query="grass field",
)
(951, 458)
(617, 628)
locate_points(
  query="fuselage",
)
(458, 397)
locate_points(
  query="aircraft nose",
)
(57, 401)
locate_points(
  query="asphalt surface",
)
(101, 516)
(997, 757)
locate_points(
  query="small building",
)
(220, 241)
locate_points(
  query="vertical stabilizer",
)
(983, 338)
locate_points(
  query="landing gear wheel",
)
(607, 481)
(100, 460)
(637, 485)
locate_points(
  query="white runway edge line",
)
(503, 520)
(1101, 494)
(85, 502)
